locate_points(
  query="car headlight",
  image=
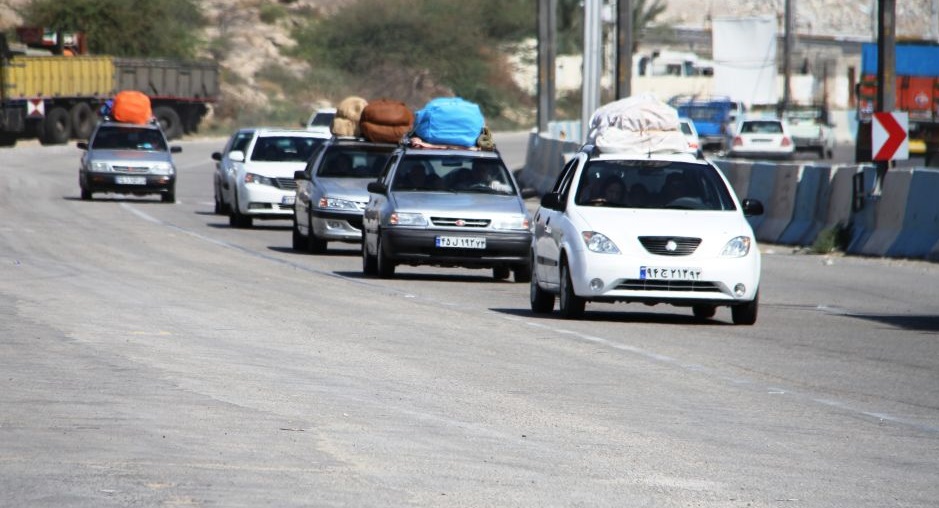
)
(737, 247)
(163, 168)
(101, 167)
(258, 179)
(518, 222)
(336, 203)
(598, 242)
(406, 219)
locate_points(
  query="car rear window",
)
(761, 127)
(652, 184)
(128, 138)
(353, 162)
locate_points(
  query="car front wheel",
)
(385, 266)
(369, 262)
(298, 242)
(542, 302)
(571, 306)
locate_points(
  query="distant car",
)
(691, 134)
(658, 229)
(762, 138)
(321, 121)
(811, 131)
(331, 192)
(128, 158)
(262, 176)
(223, 179)
(446, 207)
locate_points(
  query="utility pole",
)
(591, 65)
(624, 48)
(886, 73)
(787, 54)
(547, 54)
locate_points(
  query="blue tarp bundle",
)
(449, 121)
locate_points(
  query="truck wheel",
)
(7, 139)
(56, 127)
(169, 121)
(83, 120)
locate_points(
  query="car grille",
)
(131, 169)
(668, 285)
(286, 183)
(660, 245)
(461, 223)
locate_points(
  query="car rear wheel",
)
(369, 262)
(745, 314)
(385, 266)
(571, 305)
(704, 311)
(522, 272)
(501, 272)
(542, 302)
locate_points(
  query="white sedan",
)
(667, 229)
(263, 174)
(764, 138)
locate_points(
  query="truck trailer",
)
(56, 97)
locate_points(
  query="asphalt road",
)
(152, 356)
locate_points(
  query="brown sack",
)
(131, 106)
(378, 133)
(388, 112)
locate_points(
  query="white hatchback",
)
(668, 229)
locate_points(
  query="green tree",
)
(401, 44)
(140, 28)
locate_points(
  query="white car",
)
(262, 176)
(222, 179)
(665, 229)
(762, 137)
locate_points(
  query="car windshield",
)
(453, 173)
(128, 138)
(652, 184)
(284, 148)
(353, 162)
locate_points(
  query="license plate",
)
(130, 180)
(668, 273)
(287, 200)
(461, 242)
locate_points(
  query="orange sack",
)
(131, 106)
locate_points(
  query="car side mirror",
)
(752, 207)
(176, 149)
(300, 175)
(236, 155)
(552, 200)
(82, 144)
(216, 156)
(377, 188)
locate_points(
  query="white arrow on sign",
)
(889, 137)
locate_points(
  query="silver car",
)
(451, 208)
(128, 159)
(331, 192)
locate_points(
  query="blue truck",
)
(713, 117)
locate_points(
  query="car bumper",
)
(337, 226)
(762, 152)
(118, 183)
(262, 201)
(621, 278)
(419, 247)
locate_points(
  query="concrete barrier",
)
(840, 196)
(738, 172)
(808, 216)
(882, 219)
(544, 161)
(920, 229)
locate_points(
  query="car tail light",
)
(738, 141)
(786, 141)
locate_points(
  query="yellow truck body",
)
(58, 76)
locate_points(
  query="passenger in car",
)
(676, 186)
